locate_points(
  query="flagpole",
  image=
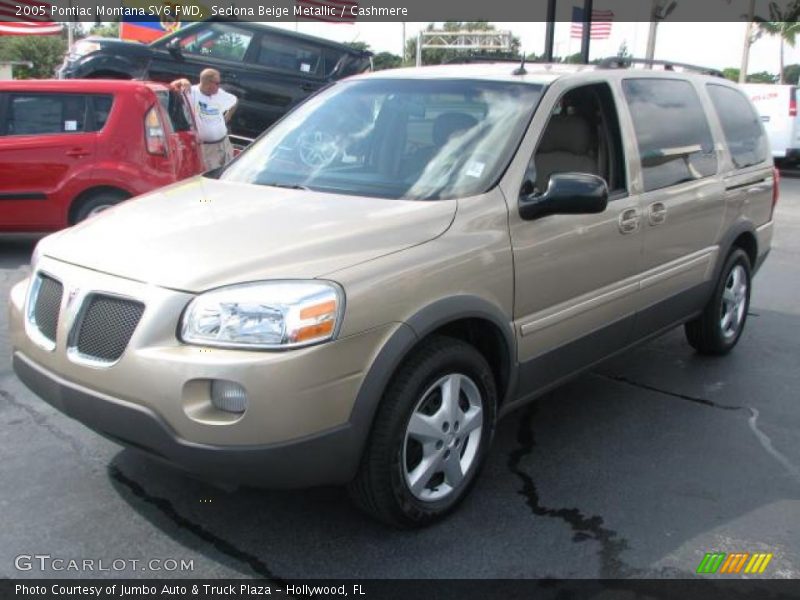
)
(404, 44)
(69, 29)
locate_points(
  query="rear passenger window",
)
(741, 124)
(674, 139)
(34, 114)
(102, 109)
(332, 58)
(287, 55)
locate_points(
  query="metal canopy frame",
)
(463, 40)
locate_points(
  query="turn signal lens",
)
(154, 133)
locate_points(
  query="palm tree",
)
(786, 30)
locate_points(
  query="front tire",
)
(431, 435)
(717, 330)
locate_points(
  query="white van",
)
(777, 105)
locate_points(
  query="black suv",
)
(268, 69)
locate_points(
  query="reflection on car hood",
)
(203, 233)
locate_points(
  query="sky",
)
(716, 45)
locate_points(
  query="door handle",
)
(629, 220)
(657, 213)
(78, 152)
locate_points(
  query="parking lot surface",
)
(635, 469)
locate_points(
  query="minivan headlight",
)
(265, 315)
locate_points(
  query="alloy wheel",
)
(734, 302)
(442, 438)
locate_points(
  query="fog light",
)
(228, 396)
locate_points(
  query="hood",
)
(203, 233)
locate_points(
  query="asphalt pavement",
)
(636, 469)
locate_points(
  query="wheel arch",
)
(741, 235)
(91, 192)
(469, 318)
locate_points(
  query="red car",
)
(69, 149)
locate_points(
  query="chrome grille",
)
(106, 326)
(47, 305)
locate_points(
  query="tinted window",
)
(32, 114)
(332, 58)
(102, 109)
(176, 109)
(672, 132)
(287, 55)
(742, 126)
(217, 41)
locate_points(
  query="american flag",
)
(330, 11)
(601, 23)
(13, 24)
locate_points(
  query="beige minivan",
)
(401, 260)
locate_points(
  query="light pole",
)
(660, 10)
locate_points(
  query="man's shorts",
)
(216, 154)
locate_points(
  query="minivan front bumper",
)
(327, 458)
(298, 426)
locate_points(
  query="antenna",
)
(520, 70)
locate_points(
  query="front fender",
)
(402, 342)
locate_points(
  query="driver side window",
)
(583, 136)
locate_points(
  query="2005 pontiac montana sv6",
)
(401, 260)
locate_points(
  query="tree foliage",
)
(791, 74)
(105, 30)
(762, 77)
(781, 26)
(46, 52)
(386, 60)
(731, 73)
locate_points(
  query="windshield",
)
(392, 138)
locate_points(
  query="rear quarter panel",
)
(748, 192)
(123, 160)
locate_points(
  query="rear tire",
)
(717, 330)
(95, 204)
(430, 437)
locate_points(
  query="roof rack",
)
(624, 62)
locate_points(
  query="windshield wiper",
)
(287, 186)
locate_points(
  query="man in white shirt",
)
(213, 108)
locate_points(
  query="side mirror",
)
(567, 194)
(174, 47)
